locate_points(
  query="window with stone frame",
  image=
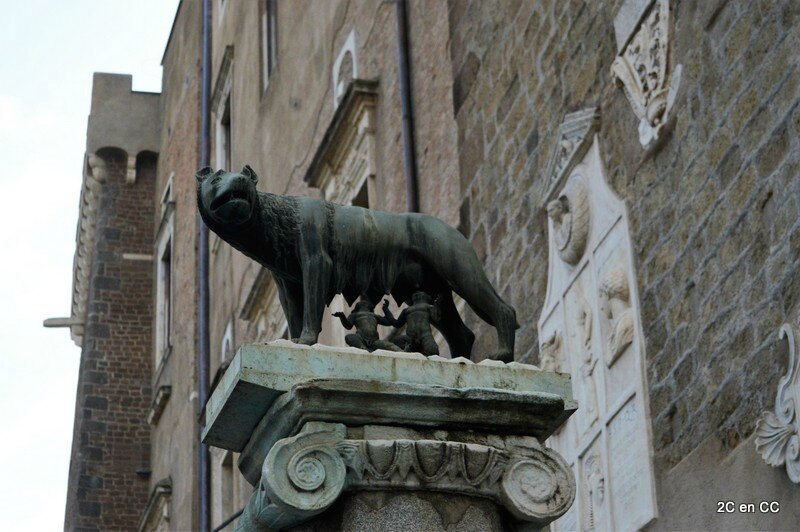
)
(226, 348)
(228, 485)
(262, 309)
(224, 487)
(157, 512)
(345, 68)
(222, 105)
(164, 277)
(224, 136)
(269, 40)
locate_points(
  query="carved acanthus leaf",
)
(778, 434)
(451, 464)
(772, 439)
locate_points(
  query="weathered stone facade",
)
(174, 434)
(713, 204)
(713, 208)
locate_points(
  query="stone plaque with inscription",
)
(591, 327)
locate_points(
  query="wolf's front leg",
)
(291, 297)
(316, 280)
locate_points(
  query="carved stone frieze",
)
(304, 474)
(434, 465)
(642, 67)
(778, 433)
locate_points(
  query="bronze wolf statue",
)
(316, 249)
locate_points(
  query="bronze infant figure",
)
(366, 322)
(417, 319)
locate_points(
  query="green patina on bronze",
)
(316, 249)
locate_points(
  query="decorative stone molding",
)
(164, 288)
(642, 65)
(356, 402)
(130, 170)
(95, 174)
(345, 68)
(224, 82)
(574, 138)
(778, 434)
(591, 326)
(425, 464)
(159, 404)
(304, 474)
(141, 257)
(156, 514)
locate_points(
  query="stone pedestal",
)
(341, 439)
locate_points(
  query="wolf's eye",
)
(215, 180)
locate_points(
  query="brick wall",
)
(714, 211)
(111, 437)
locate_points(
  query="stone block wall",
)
(111, 444)
(716, 213)
(518, 68)
(174, 437)
(714, 208)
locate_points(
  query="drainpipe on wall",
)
(407, 108)
(203, 288)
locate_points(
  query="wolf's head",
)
(227, 198)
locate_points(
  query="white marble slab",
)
(592, 307)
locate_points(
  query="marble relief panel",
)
(581, 340)
(592, 481)
(616, 318)
(628, 459)
(591, 328)
(551, 349)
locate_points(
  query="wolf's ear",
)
(249, 172)
(203, 173)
